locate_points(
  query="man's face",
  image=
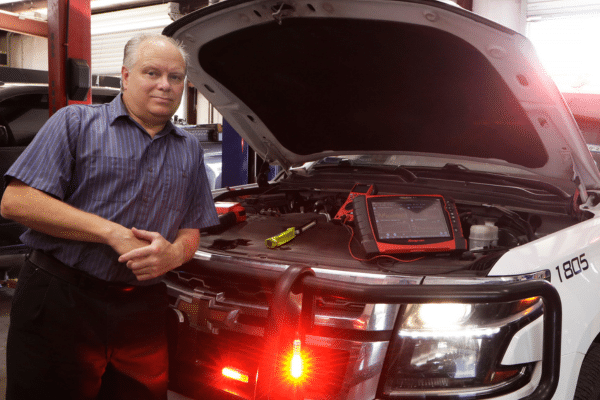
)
(152, 88)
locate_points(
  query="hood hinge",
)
(273, 155)
(592, 202)
(583, 192)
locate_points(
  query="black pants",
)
(66, 342)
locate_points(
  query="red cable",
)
(372, 258)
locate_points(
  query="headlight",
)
(455, 349)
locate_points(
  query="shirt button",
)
(150, 169)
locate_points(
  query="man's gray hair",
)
(132, 46)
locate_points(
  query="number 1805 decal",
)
(572, 267)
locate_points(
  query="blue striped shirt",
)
(97, 159)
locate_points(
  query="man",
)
(114, 196)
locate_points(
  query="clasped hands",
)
(148, 254)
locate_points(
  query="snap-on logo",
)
(415, 240)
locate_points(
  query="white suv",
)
(442, 240)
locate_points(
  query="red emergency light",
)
(235, 374)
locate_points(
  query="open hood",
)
(301, 80)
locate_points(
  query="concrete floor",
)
(5, 300)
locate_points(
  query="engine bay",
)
(332, 241)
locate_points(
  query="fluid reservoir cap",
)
(483, 236)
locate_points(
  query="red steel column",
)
(69, 36)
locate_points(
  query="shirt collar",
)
(118, 110)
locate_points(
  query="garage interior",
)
(563, 32)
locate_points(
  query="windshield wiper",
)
(398, 170)
(457, 170)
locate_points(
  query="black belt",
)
(81, 279)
